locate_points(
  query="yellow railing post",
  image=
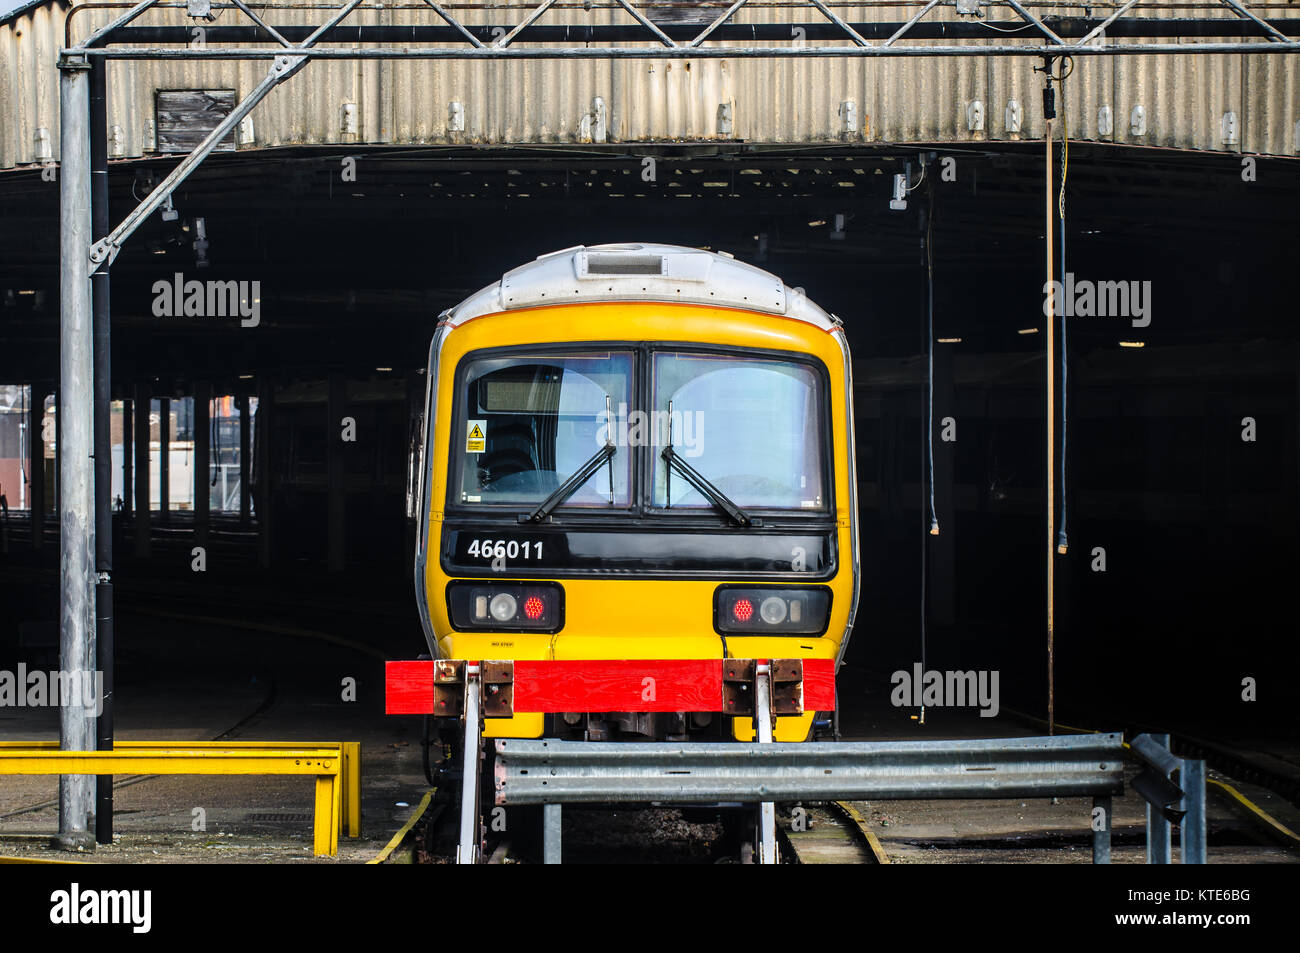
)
(326, 828)
(351, 788)
(336, 766)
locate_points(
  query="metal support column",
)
(128, 458)
(164, 460)
(202, 460)
(1159, 833)
(1191, 832)
(75, 447)
(265, 434)
(103, 413)
(245, 459)
(143, 507)
(56, 470)
(552, 833)
(335, 525)
(766, 852)
(1101, 827)
(36, 463)
(467, 849)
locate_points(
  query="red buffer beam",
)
(569, 685)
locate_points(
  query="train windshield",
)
(531, 420)
(753, 427)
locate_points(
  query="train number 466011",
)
(505, 548)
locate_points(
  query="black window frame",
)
(640, 507)
(456, 461)
(648, 461)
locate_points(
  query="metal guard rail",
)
(336, 767)
(538, 772)
(553, 772)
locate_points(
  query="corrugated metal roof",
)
(1218, 102)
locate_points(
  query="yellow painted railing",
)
(335, 765)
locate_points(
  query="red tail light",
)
(505, 606)
(772, 610)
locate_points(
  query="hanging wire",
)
(1062, 539)
(929, 301)
(928, 447)
(917, 185)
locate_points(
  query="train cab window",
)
(753, 427)
(529, 422)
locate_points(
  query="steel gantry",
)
(87, 250)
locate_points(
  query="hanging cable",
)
(1062, 539)
(1050, 213)
(929, 375)
(917, 185)
(927, 448)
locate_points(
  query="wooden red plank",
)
(818, 684)
(663, 685)
(408, 688)
(660, 685)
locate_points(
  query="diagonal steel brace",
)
(106, 249)
(1030, 18)
(1100, 28)
(916, 18)
(123, 20)
(831, 15)
(704, 34)
(1275, 35)
(528, 21)
(452, 21)
(663, 37)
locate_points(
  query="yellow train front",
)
(637, 486)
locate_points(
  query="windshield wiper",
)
(580, 476)
(698, 480)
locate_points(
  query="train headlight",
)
(506, 606)
(801, 610)
(772, 610)
(503, 607)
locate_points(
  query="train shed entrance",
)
(292, 279)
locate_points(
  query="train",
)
(637, 497)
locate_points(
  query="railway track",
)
(596, 834)
(821, 833)
(1269, 770)
(816, 833)
(1273, 772)
(833, 832)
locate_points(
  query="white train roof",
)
(640, 272)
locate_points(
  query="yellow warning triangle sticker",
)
(475, 434)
